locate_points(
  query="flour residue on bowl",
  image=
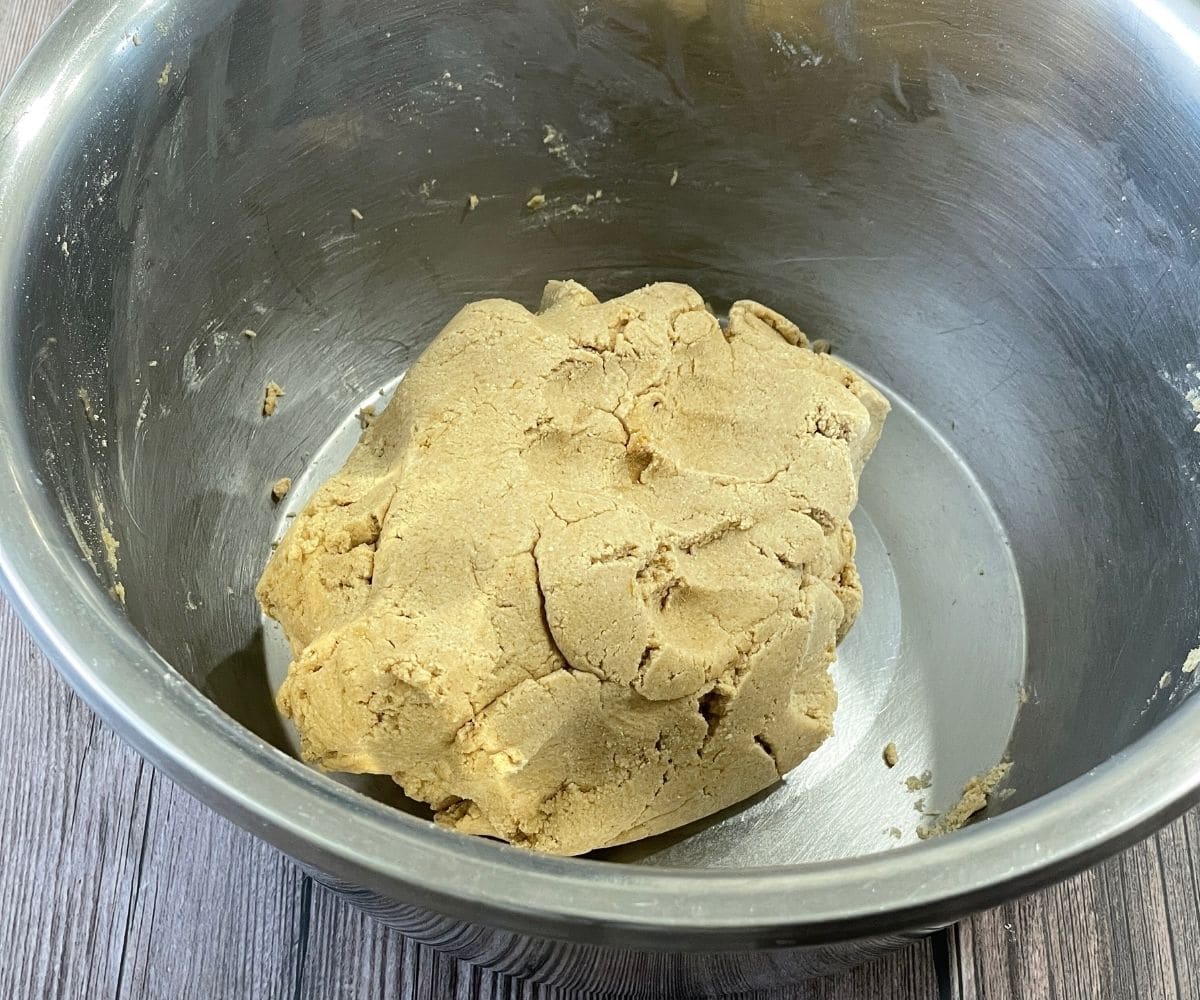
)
(974, 799)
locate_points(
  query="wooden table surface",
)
(115, 883)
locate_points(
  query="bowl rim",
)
(355, 839)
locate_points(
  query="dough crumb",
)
(535, 202)
(117, 591)
(249, 334)
(472, 202)
(548, 601)
(280, 489)
(271, 396)
(919, 782)
(1165, 680)
(890, 756)
(111, 545)
(366, 416)
(895, 832)
(1192, 661)
(974, 799)
(356, 215)
(674, 177)
(164, 77)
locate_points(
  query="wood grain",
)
(21, 24)
(1127, 928)
(114, 883)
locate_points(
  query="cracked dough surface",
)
(582, 580)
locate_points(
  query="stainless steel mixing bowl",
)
(987, 205)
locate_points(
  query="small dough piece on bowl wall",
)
(582, 580)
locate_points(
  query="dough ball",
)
(582, 580)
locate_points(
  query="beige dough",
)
(582, 579)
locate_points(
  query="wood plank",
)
(1126, 928)
(21, 24)
(1176, 847)
(115, 882)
